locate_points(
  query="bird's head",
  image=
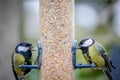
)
(24, 47)
(85, 44)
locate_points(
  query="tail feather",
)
(112, 65)
(108, 75)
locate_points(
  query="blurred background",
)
(19, 21)
(99, 19)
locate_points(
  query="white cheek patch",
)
(22, 48)
(88, 43)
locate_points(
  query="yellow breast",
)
(18, 60)
(96, 57)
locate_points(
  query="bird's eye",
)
(28, 45)
(81, 43)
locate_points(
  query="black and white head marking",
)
(86, 42)
(23, 47)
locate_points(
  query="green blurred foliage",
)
(34, 75)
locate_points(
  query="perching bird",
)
(95, 53)
(21, 55)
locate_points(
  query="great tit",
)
(95, 53)
(21, 56)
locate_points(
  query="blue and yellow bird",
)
(22, 56)
(94, 53)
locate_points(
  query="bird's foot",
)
(78, 65)
(93, 65)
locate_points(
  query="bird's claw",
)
(93, 65)
(78, 65)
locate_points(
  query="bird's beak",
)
(32, 48)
